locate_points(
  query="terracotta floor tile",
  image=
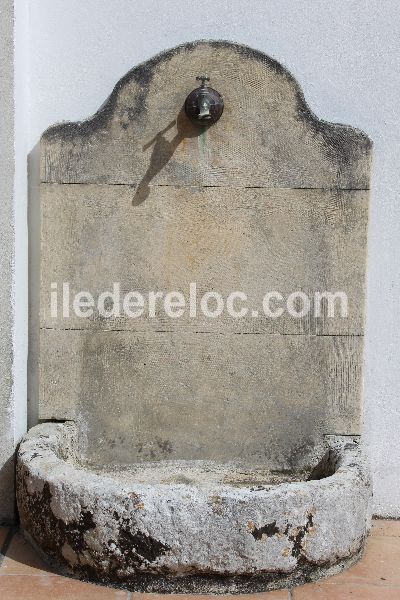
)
(276, 595)
(350, 591)
(43, 587)
(380, 564)
(21, 559)
(386, 527)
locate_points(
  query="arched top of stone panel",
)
(266, 137)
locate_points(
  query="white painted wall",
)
(13, 263)
(6, 260)
(346, 56)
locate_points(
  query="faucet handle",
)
(203, 79)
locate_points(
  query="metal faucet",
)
(204, 105)
(204, 100)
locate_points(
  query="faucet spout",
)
(204, 102)
(204, 108)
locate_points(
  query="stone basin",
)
(191, 525)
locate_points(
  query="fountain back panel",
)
(267, 198)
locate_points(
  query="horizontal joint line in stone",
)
(177, 331)
(200, 186)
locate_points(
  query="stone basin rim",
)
(56, 445)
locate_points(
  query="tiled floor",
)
(23, 576)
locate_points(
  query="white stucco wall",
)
(13, 271)
(6, 260)
(346, 56)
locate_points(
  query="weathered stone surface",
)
(193, 438)
(266, 137)
(143, 396)
(118, 529)
(205, 388)
(251, 240)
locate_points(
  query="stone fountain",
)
(200, 454)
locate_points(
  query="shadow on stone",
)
(163, 151)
